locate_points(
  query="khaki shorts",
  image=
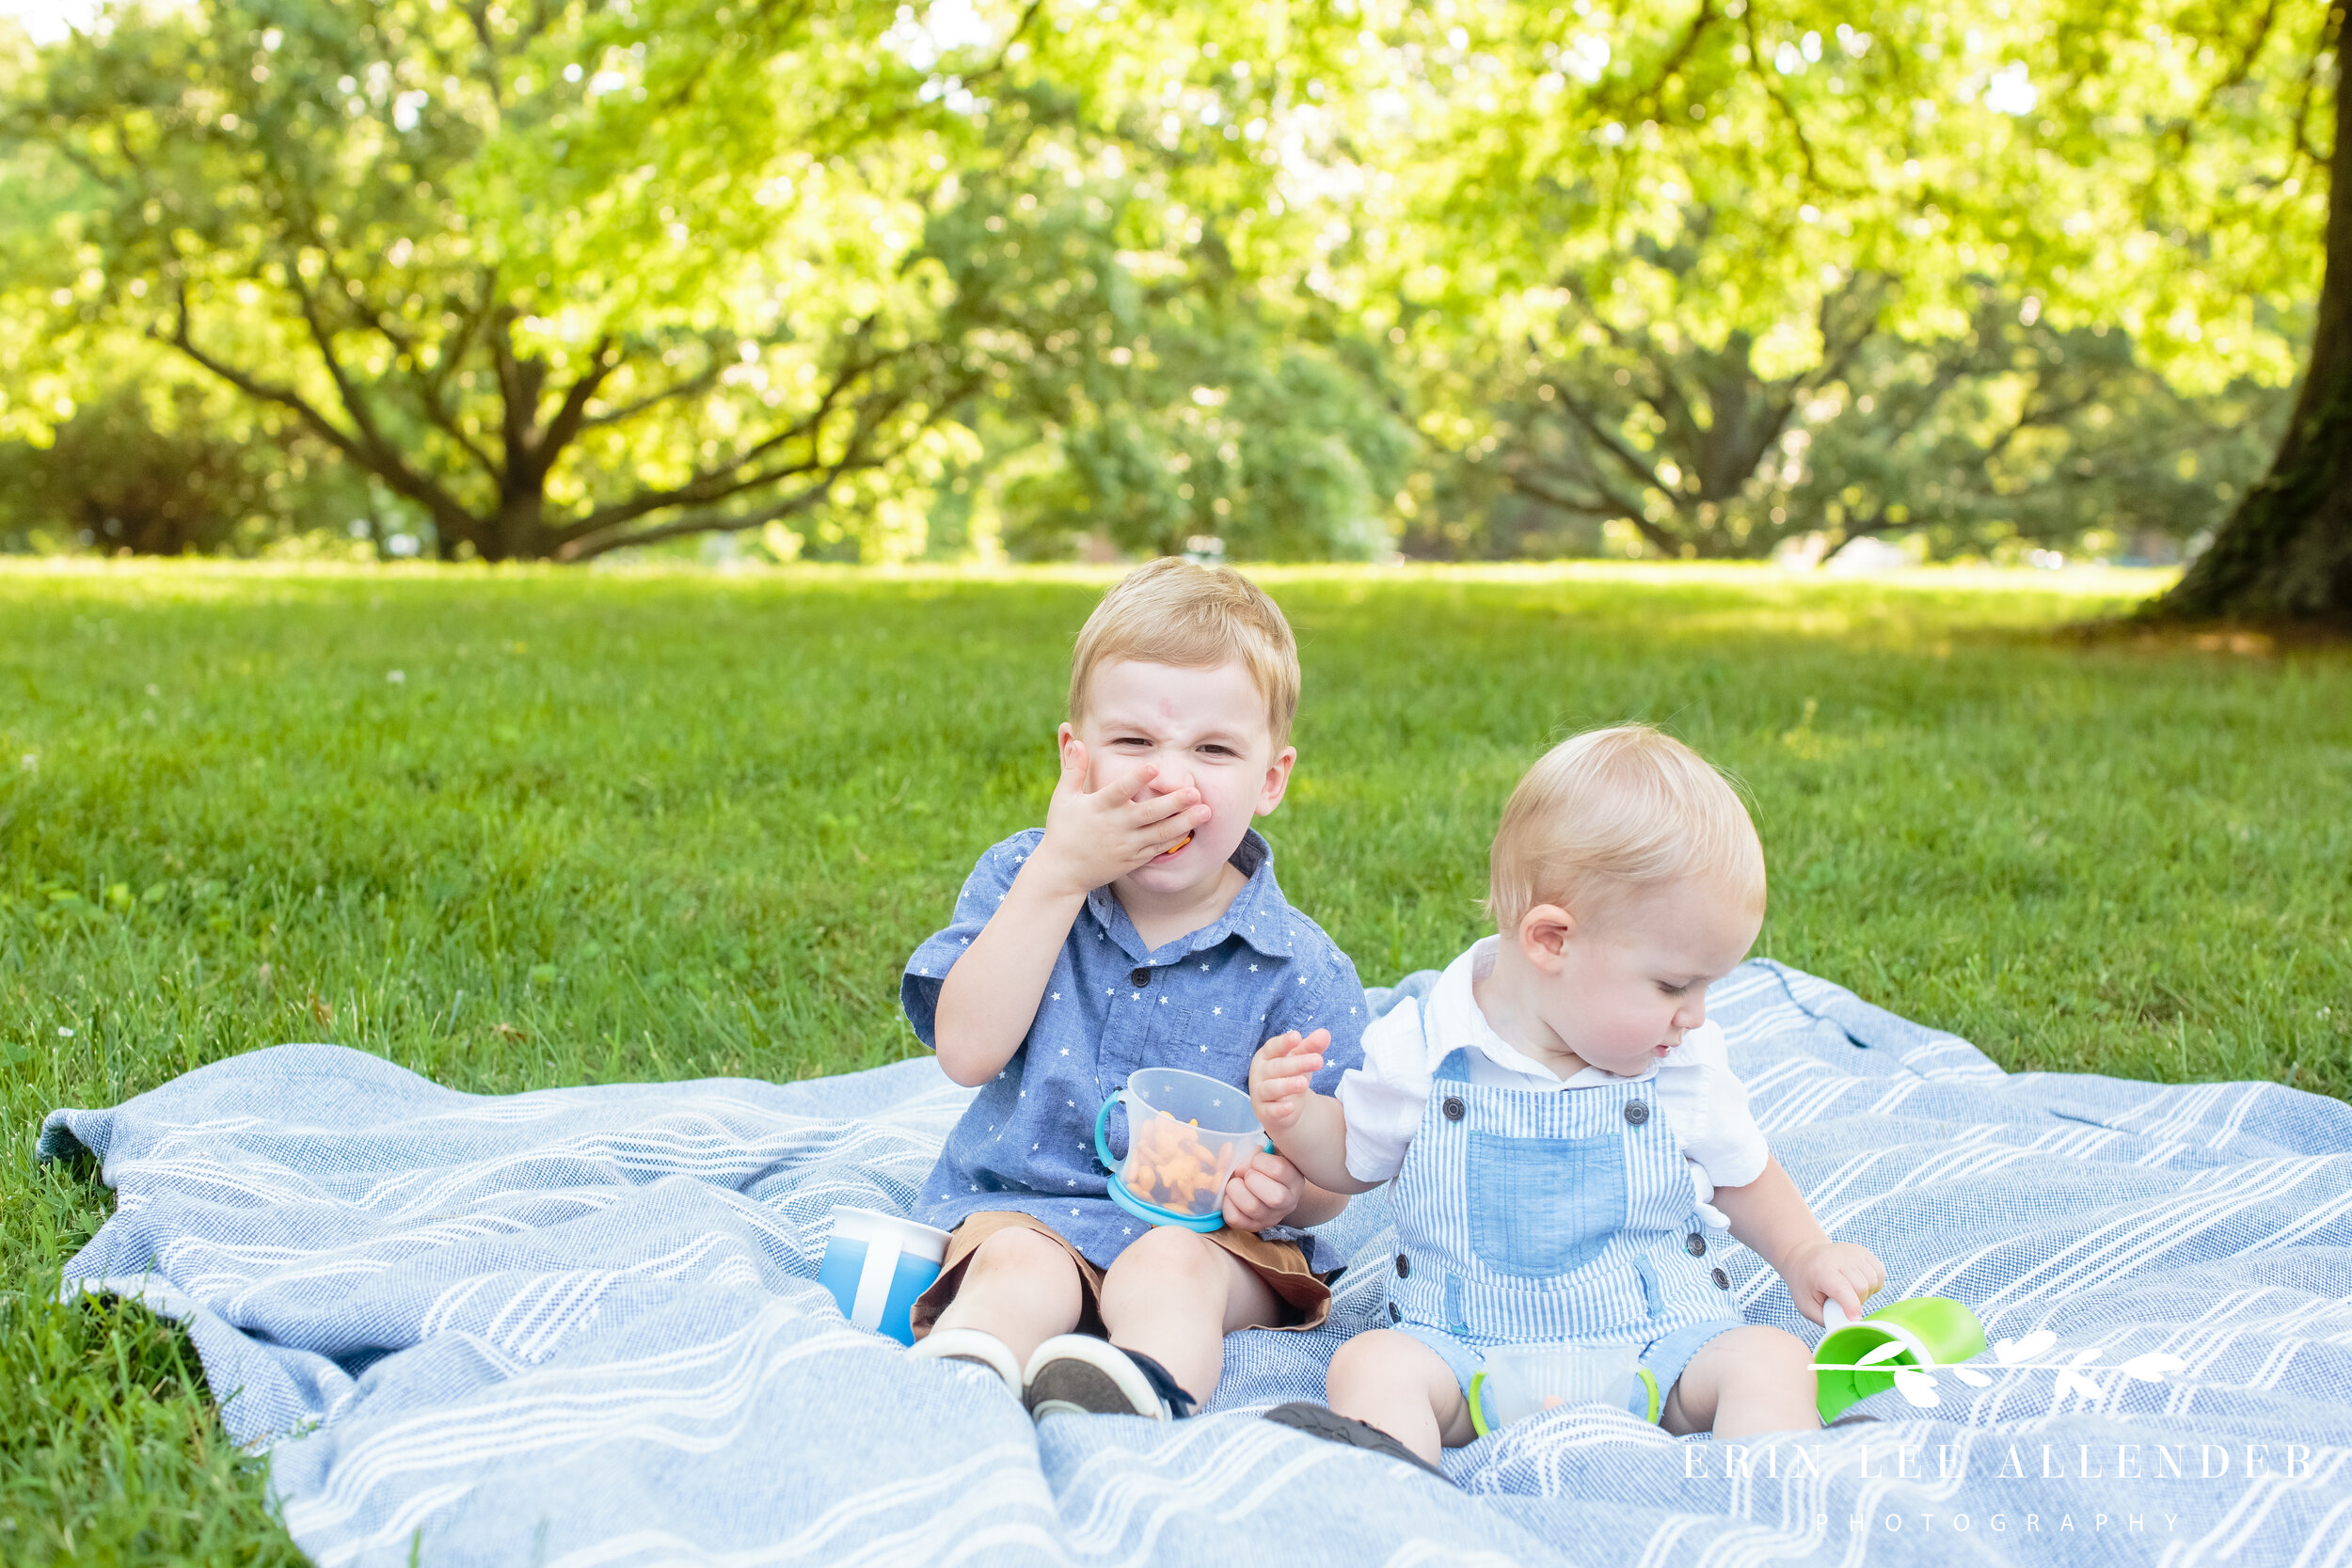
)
(1306, 1299)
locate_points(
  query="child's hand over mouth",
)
(1094, 837)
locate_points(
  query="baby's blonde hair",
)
(1172, 611)
(1611, 811)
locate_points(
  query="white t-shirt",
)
(1703, 1100)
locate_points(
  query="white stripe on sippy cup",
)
(873, 1281)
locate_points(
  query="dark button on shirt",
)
(1404, 1265)
(1723, 1280)
(1139, 978)
(1695, 1244)
(1636, 1111)
(1452, 1108)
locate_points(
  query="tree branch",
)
(1611, 444)
(565, 426)
(1787, 110)
(1652, 93)
(430, 386)
(1602, 503)
(627, 411)
(719, 481)
(371, 455)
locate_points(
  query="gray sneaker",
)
(1317, 1421)
(1076, 1374)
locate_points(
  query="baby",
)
(1556, 1117)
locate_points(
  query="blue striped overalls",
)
(1561, 1216)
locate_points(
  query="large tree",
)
(2285, 554)
(1671, 262)
(560, 278)
(569, 278)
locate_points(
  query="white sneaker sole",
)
(973, 1345)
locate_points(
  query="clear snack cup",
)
(1185, 1134)
(1519, 1381)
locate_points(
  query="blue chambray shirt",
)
(1204, 1002)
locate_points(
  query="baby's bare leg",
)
(1394, 1382)
(1021, 1287)
(1749, 1380)
(1174, 1295)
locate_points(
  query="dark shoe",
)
(1078, 1375)
(1318, 1421)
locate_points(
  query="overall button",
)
(1397, 1313)
(1695, 1244)
(1637, 1112)
(1404, 1265)
(1140, 977)
(1452, 1108)
(1723, 1280)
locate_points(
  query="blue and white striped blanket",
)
(581, 1326)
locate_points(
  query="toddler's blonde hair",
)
(1611, 811)
(1172, 611)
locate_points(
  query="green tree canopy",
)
(1700, 275)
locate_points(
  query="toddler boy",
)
(1560, 1127)
(1141, 927)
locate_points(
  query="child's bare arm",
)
(989, 997)
(1310, 1128)
(1771, 1219)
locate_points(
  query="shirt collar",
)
(1259, 914)
(1457, 1020)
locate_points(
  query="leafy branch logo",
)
(1917, 1383)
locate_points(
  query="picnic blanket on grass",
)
(581, 1327)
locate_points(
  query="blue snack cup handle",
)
(1102, 1128)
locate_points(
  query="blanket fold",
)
(581, 1326)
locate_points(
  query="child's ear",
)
(1064, 739)
(1277, 781)
(1543, 932)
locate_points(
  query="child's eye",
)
(1672, 990)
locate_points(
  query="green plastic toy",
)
(1933, 1332)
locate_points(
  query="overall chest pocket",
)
(1541, 1206)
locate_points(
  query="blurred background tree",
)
(1468, 277)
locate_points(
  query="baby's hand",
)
(1262, 1191)
(1832, 1271)
(1278, 1076)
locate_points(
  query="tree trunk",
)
(2284, 556)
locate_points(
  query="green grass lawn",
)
(524, 828)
